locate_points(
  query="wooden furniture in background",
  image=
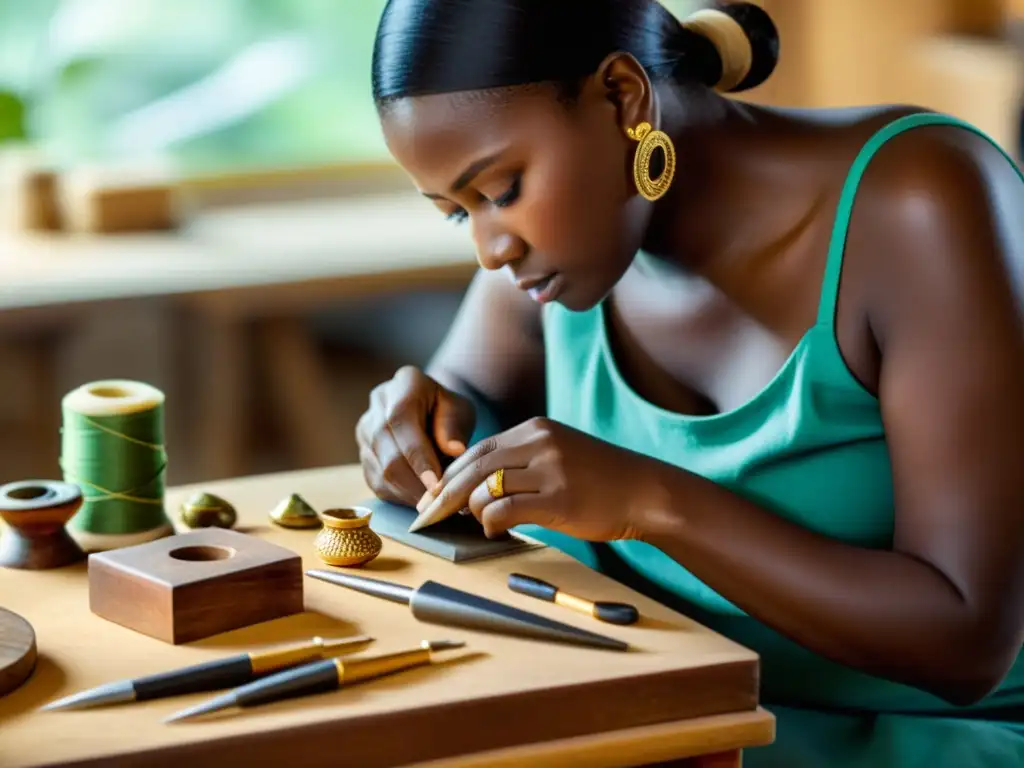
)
(391, 244)
(953, 56)
(29, 383)
(683, 691)
(252, 270)
(971, 78)
(28, 197)
(291, 184)
(1015, 20)
(92, 203)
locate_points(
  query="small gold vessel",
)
(295, 512)
(207, 510)
(346, 538)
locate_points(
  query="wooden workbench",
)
(682, 692)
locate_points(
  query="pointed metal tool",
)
(317, 677)
(207, 676)
(436, 603)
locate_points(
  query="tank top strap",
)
(844, 210)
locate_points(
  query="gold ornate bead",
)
(346, 538)
(651, 140)
(207, 510)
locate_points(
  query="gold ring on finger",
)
(496, 484)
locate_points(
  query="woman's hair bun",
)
(745, 38)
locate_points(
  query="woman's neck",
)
(718, 200)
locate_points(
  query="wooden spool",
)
(37, 512)
(17, 651)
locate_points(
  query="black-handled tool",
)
(436, 603)
(317, 677)
(206, 676)
(613, 613)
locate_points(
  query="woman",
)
(763, 364)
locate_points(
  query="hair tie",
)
(729, 37)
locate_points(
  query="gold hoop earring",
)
(651, 140)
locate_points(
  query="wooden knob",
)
(36, 513)
(17, 651)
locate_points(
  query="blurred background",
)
(196, 194)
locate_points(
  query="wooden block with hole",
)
(193, 585)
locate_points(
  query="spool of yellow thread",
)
(112, 447)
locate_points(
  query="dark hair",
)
(447, 46)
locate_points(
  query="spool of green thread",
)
(112, 447)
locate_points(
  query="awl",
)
(435, 603)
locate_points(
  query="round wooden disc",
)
(17, 651)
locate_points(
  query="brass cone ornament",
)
(295, 512)
(207, 510)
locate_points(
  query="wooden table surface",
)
(682, 691)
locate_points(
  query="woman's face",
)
(544, 187)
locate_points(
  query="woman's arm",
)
(494, 353)
(944, 610)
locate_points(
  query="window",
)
(211, 84)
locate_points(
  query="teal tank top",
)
(810, 447)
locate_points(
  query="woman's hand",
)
(411, 422)
(553, 476)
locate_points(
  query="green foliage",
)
(211, 84)
(12, 117)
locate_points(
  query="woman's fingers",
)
(395, 469)
(455, 493)
(415, 445)
(501, 515)
(373, 475)
(396, 432)
(518, 435)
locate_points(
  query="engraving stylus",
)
(207, 676)
(317, 677)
